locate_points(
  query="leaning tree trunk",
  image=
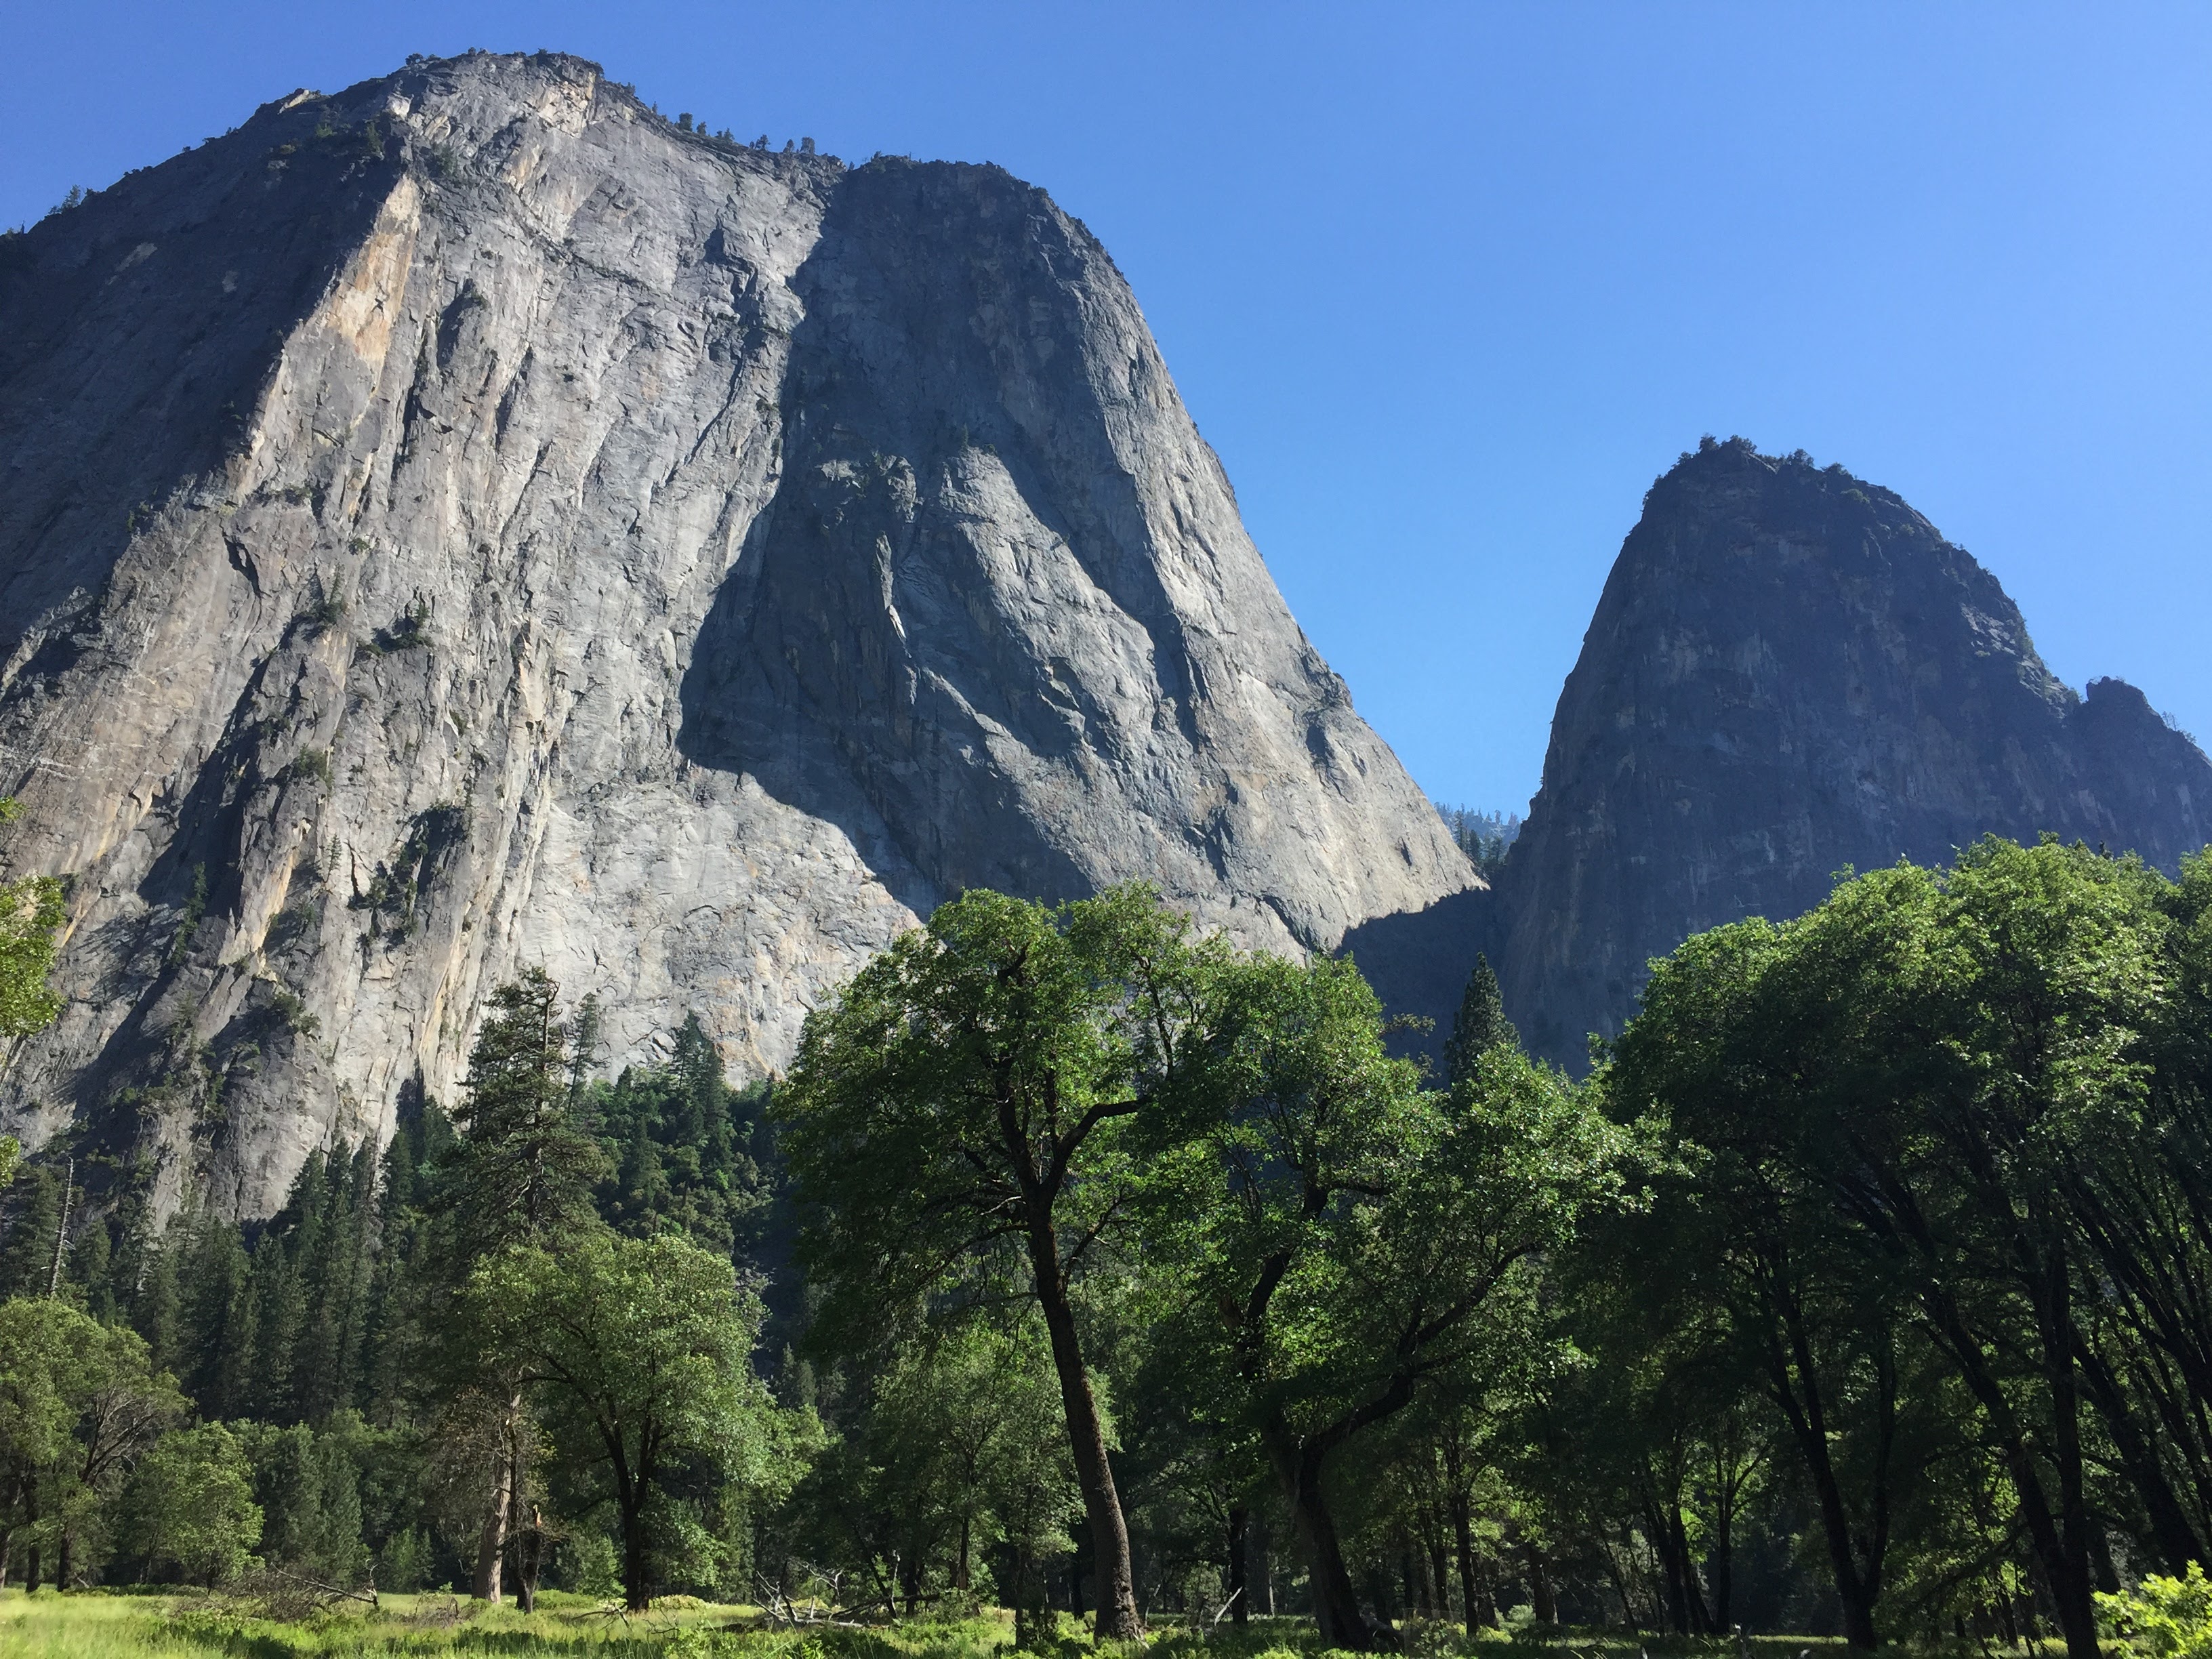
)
(1118, 1618)
(1336, 1604)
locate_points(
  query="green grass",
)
(93, 1625)
(96, 1626)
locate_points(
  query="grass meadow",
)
(93, 1625)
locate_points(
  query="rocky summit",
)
(470, 521)
(1791, 672)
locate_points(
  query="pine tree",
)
(214, 1352)
(349, 1280)
(523, 1167)
(679, 1136)
(703, 1091)
(644, 1187)
(1480, 1026)
(27, 1256)
(330, 1249)
(91, 1270)
(521, 1174)
(156, 1308)
(405, 1284)
(279, 1305)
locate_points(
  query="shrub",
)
(328, 608)
(2171, 1618)
(189, 924)
(403, 1562)
(586, 1565)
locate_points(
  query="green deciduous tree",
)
(1345, 1235)
(78, 1403)
(41, 1386)
(1743, 1262)
(958, 1119)
(1908, 1095)
(190, 1505)
(963, 1446)
(635, 1352)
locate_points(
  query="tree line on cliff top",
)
(1083, 1263)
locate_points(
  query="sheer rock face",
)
(1790, 671)
(467, 522)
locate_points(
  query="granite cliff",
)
(1790, 671)
(469, 520)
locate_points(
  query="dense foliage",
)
(1083, 1263)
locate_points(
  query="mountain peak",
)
(1791, 670)
(471, 519)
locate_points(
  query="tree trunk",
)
(1378, 1592)
(960, 1580)
(2072, 1586)
(2171, 1534)
(1473, 1603)
(529, 1556)
(521, 1517)
(637, 1594)
(491, 1542)
(1724, 1550)
(1239, 1593)
(2060, 1542)
(1263, 1579)
(1118, 1618)
(1542, 1602)
(1336, 1606)
(1795, 1387)
(1694, 1593)
(1673, 1601)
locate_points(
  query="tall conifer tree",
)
(1480, 1026)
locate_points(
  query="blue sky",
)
(1447, 285)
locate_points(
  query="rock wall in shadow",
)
(999, 614)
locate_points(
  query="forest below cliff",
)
(1086, 1267)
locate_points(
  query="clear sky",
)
(1446, 286)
